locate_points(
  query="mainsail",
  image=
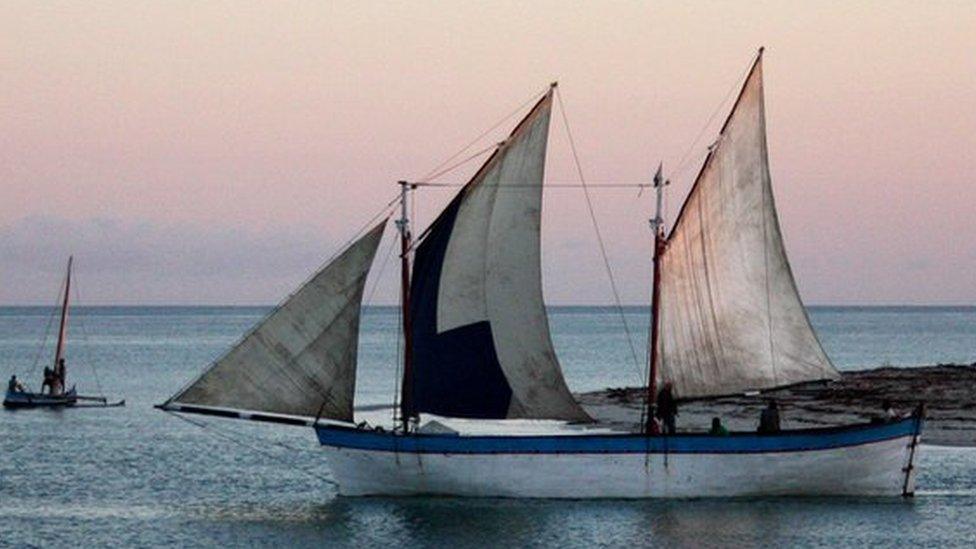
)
(731, 317)
(481, 343)
(301, 359)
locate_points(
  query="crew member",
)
(769, 419)
(60, 373)
(889, 412)
(15, 386)
(48, 381)
(717, 428)
(667, 408)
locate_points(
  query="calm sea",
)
(135, 476)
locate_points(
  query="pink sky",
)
(192, 152)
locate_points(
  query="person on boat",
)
(48, 380)
(15, 386)
(717, 428)
(57, 387)
(769, 418)
(889, 411)
(667, 408)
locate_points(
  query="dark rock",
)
(948, 390)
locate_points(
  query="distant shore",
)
(948, 390)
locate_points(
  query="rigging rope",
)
(457, 165)
(40, 348)
(599, 237)
(685, 159)
(237, 441)
(450, 159)
(379, 274)
(548, 184)
(398, 361)
(87, 340)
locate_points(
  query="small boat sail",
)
(54, 392)
(479, 361)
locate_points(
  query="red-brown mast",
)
(63, 330)
(406, 388)
(657, 225)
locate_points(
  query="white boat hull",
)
(878, 468)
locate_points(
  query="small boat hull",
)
(19, 399)
(865, 460)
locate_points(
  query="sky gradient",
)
(218, 152)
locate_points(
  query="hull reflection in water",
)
(862, 460)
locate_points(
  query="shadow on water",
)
(457, 522)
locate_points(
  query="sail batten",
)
(481, 342)
(300, 360)
(731, 316)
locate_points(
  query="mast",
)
(406, 389)
(657, 226)
(62, 331)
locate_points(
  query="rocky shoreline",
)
(948, 390)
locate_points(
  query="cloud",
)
(142, 262)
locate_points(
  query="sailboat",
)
(484, 409)
(57, 395)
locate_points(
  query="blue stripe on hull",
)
(736, 443)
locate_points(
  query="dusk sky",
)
(219, 152)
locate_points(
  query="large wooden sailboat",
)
(727, 318)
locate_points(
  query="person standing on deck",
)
(48, 381)
(769, 418)
(717, 428)
(667, 408)
(57, 386)
(889, 412)
(15, 386)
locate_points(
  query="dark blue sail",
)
(455, 373)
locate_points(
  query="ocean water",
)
(135, 476)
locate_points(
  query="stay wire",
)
(398, 364)
(87, 339)
(548, 184)
(480, 136)
(379, 274)
(599, 238)
(230, 438)
(686, 157)
(43, 345)
(427, 180)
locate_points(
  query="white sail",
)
(731, 316)
(301, 359)
(481, 336)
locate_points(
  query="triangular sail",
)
(301, 359)
(481, 343)
(731, 316)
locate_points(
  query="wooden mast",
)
(62, 331)
(406, 388)
(657, 225)
(63, 328)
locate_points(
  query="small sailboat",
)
(484, 409)
(55, 379)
